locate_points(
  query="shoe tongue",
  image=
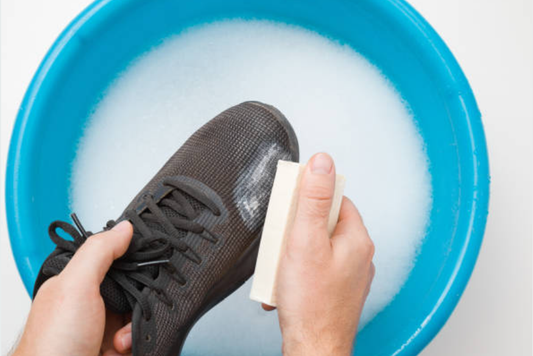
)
(171, 213)
(114, 296)
(196, 205)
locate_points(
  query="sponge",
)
(278, 224)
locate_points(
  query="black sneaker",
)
(197, 226)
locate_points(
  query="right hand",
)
(323, 282)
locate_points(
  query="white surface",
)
(168, 93)
(492, 41)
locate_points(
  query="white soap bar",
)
(278, 224)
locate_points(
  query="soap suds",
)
(250, 200)
(336, 101)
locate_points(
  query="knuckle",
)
(317, 192)
(367, 247)
(316, 207)
(96, 242)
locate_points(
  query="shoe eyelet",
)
(148, 338)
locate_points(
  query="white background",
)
(493, 42)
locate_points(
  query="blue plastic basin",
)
(105, 37)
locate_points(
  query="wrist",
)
(317, 346)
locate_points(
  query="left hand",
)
(68, 315)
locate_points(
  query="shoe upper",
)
(193, 222)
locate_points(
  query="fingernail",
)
(126, 341)
(321, 164)
(122, 227)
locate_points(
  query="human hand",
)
(68, 315)
(323, 283)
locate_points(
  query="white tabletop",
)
(492, 40)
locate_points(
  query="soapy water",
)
(337, 102)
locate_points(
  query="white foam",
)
(335, 99)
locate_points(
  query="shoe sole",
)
(238, 274)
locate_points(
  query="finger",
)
(350, 233)
(267, 307)
(314, 200)
(349, 219)
(372, 273)
(115, 353)
(113, 323)
(122, 340)
(94, 258)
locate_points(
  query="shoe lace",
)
(149, 246)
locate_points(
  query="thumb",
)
(94, 258)
(316, 194)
